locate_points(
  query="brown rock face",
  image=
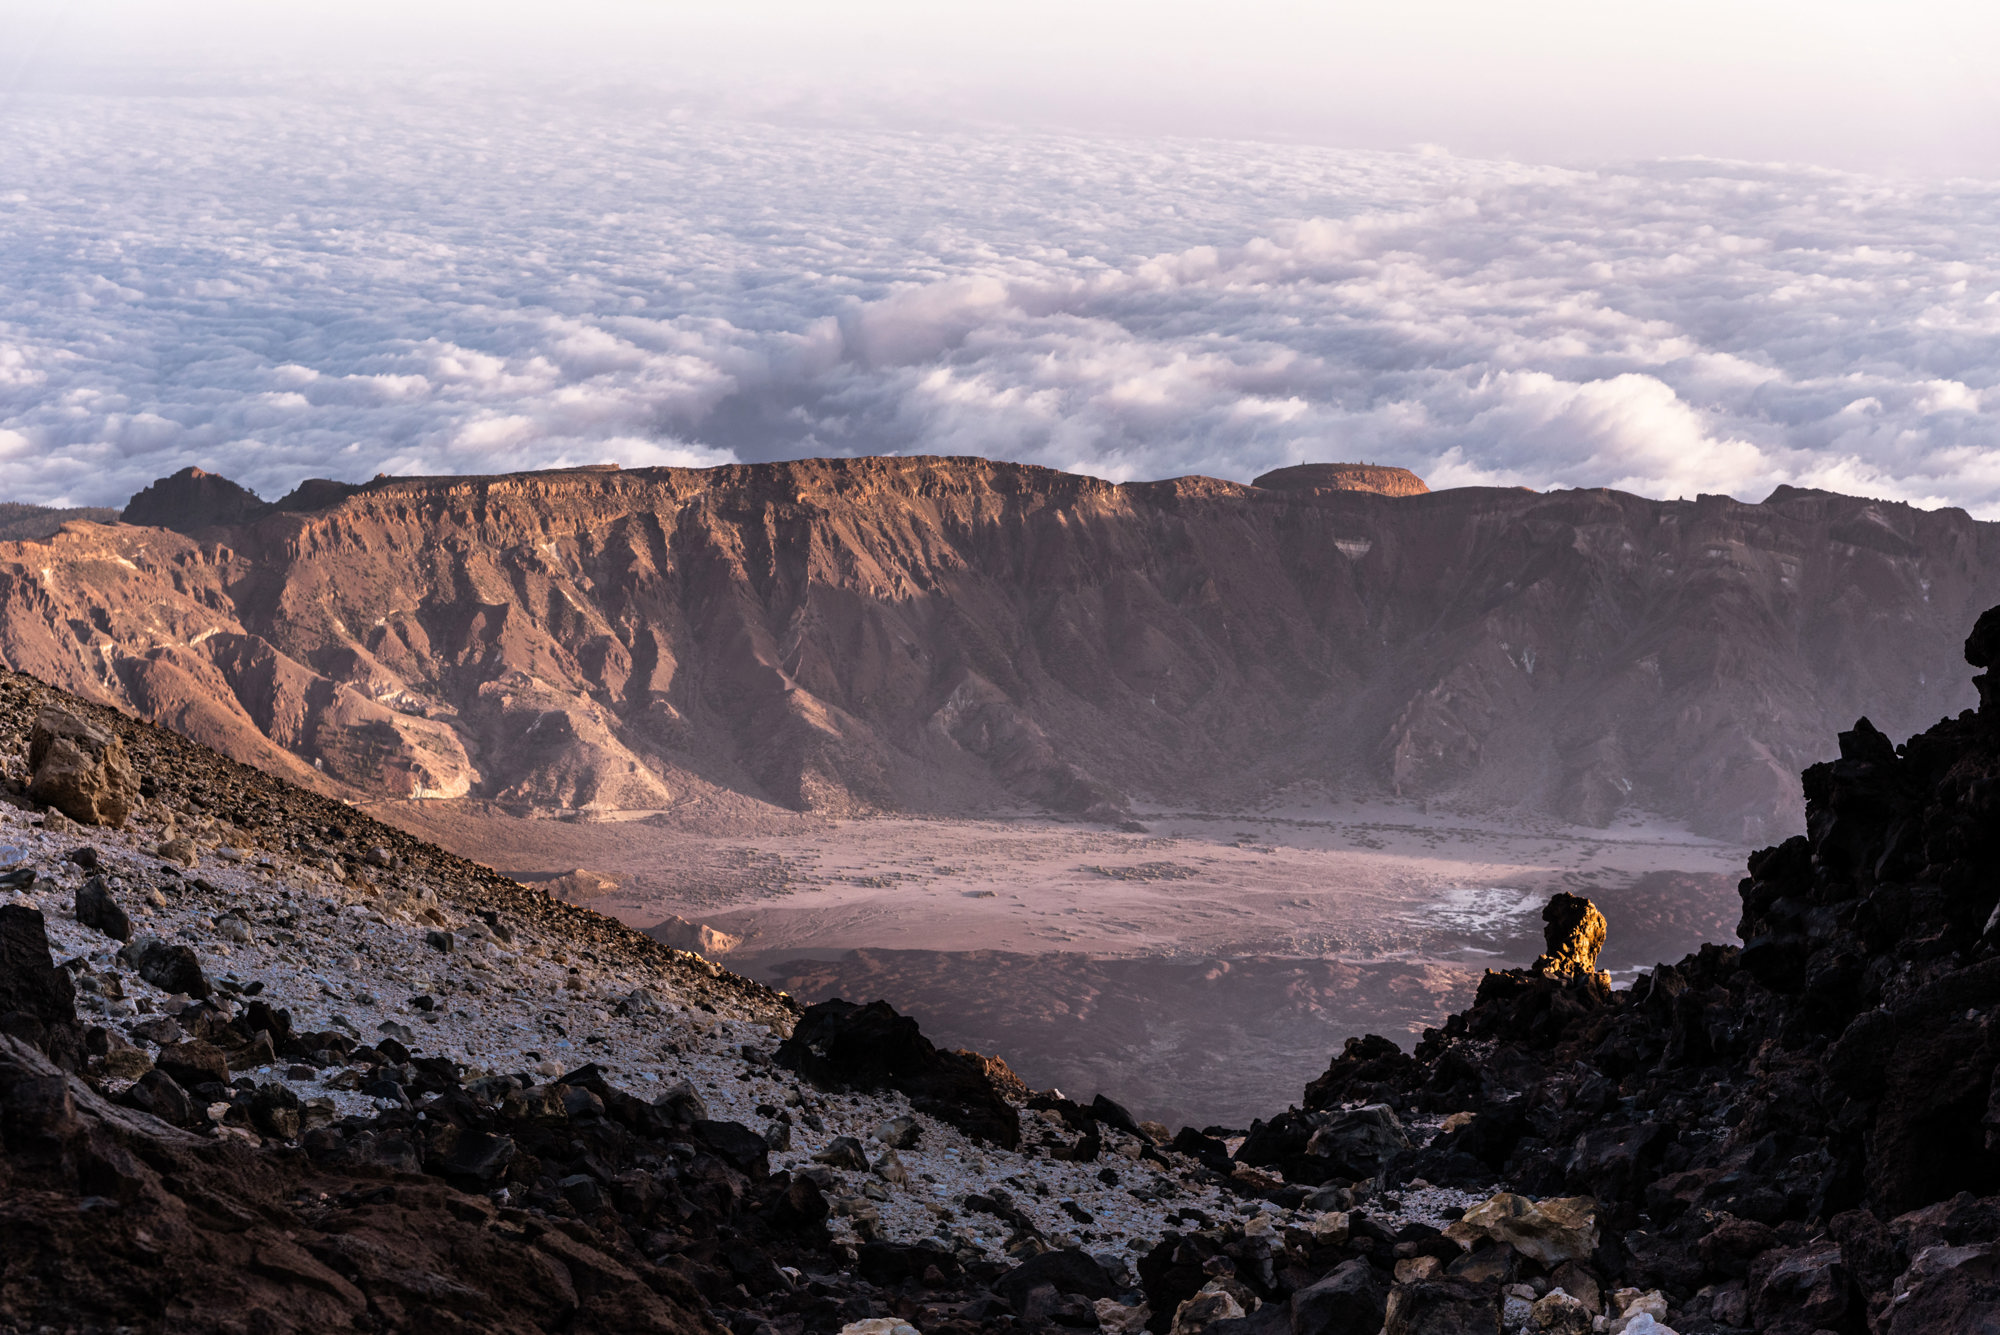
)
(953, 633)
(80, 771)
(1573, 933)
(1380, 479)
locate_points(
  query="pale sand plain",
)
(1202, 967)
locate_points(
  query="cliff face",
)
(843, 634)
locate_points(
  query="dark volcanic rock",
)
(1801, 1134)
(96, 908)
(29, 982)
(169, 968)
(838, 1044)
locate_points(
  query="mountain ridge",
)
(879, 633)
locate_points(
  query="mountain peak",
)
(191, 500)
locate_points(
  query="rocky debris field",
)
(266, 1065)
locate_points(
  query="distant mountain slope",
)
(22, 523)
(928, 632)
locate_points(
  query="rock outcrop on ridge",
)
(950, 634)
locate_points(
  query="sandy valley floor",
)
(1202, 969)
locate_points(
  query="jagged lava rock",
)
(29, 983)
(80, 770)
(96, 908)
(838, 1044)
(1795, 1134)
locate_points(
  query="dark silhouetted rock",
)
(839, 1045)
(193, 1063)
(80, 770)
(169, 968)
(1349, 1301)
(158, 1093)
(192, 500)
(1067, 1270)
(29, 982)
(1447, 1307)
(96, 908)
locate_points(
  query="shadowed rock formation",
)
(1792, 1135)
(924, 633)
(192, 500)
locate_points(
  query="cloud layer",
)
(352, 282)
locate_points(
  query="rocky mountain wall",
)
(950, 633)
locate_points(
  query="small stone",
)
(899, 1133)
(179, 849)
(891, 1170)
(195, 1062)
(843, 1152)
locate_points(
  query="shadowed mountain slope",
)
(937, 633)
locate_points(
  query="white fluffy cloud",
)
(351, 282)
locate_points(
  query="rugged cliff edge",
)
(1794, 1134)
(953, 633)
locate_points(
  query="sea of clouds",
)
(345, 281)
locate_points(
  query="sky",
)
(1672, 248)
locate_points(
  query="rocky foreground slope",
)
(931, 633)
(267, 1065)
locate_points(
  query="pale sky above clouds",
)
(288, 241)
(1871, 84)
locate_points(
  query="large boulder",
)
(1350, 1301)
(80, 770)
